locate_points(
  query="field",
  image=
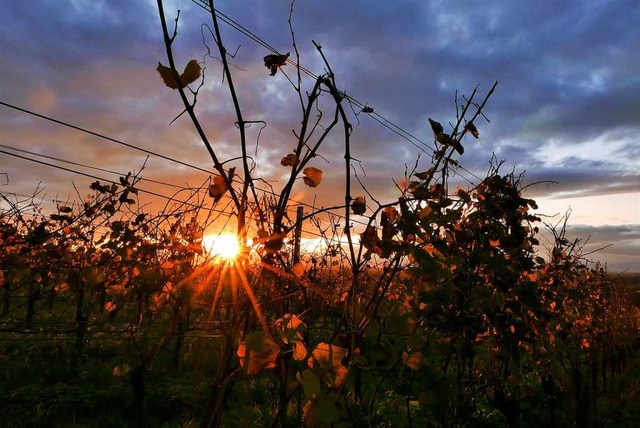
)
(631, 282)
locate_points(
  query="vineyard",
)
(439, 308)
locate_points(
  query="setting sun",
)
(225, 245)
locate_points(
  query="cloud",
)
(616, 246)
(565, 109)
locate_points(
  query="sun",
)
(224, 245)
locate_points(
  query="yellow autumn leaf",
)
(290, 327)
(329, 358)
(173, 80)
(300, 351)
(313, 176)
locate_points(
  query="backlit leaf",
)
(218, 188)
(121, 370)
(413, 360)
(300, 351)
(173, 80)
(275, 61)
(436, 127)
(298, 269)
(329, 359)
(257, 353)
(290, 160)
(471, 128)
(313, 176)
(359, 205)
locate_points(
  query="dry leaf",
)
(298, 269)
(218, 188)
(300, 351)
(436, 127)
(412, 361)
(173, 80)
(290, 160)
(359, 205)
(313, 176)
(329, 358)
(275, 61)
(257, 353)
(471, 128)
(274, 243)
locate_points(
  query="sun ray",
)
(254, 302)
(216, 297)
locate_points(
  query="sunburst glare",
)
(224, 245)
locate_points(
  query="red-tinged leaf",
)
(369, 238)
(313, 176)
(290, 160)
(298, 269)
(291, 328)
(109, 306)
(300, 351)
(218, 188)
(413, 360)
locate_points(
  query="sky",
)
(566, 111)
